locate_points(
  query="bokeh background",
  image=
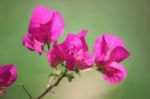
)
(129, 19)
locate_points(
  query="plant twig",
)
(52, 86)
(27, 92)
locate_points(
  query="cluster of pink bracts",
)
(8, 75)
(46, 26)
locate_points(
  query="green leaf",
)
(77, 72)
(58, 71)
(70, 77)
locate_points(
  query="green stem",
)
(48, 46)
(53, 85)
(27, 92)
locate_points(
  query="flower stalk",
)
(26, 91)
(63, 75)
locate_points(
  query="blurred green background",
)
(129, 19)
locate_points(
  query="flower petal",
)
(71, 45)
(114, 72)
(54, 56)
(85, 61)
(32, 44)
(28, 41)
(100, 49)
(38, 46)
(119, 54)
(113, 41)
(82, 35)
(57, 27)
(70, 62)
(40, 16)
(104, 45)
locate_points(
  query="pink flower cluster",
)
(8, 75)
(109, 51)
(46, 26)
(74, 51)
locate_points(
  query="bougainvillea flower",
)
(45, 26)
(74, 51)
(8, 74)
(109, 50)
